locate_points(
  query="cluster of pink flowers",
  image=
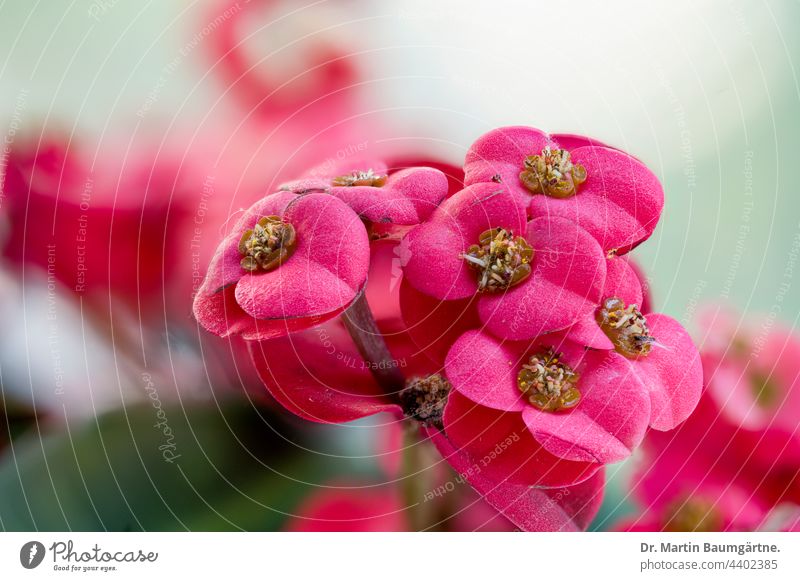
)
(502, 315)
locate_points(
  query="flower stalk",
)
(364, 330)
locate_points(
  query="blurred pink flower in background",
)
(737, 457)
(753, 368)
(324, 84)
(350, 509)
(95, 228)
(699, 477)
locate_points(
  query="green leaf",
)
(225, 467)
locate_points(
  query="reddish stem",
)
(368, 339)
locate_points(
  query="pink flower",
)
(97, 233)
(711, 474)
(535, 277)
(661, 352)
(291, 262)
(715, 506)
(558, 411)
(753, 366)
(403, 197)
(350, 509)
(607, 192)
(529, 508)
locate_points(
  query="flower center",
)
(500, 259)
(548, 383)
(424, 398)
(626, 327)
(764, 389)
(693, 515)
(552, 173)
(360, 178)
(267, 245)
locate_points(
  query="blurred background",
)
(133, 130)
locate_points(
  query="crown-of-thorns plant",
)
(519, 342)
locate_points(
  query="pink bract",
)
(319, 375)
(622, 282)
(434, 325)
(605, 426)
(568, 268)
(671, 372)
(529, 508)
(619, 203)
(318, 281)
(407, 197)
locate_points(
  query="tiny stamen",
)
(549, 383)
(500, 259)
(424, 399)
(267, 245)
(360, 178)
(552, 173)
(626, 327)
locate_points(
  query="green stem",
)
(415, 479)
